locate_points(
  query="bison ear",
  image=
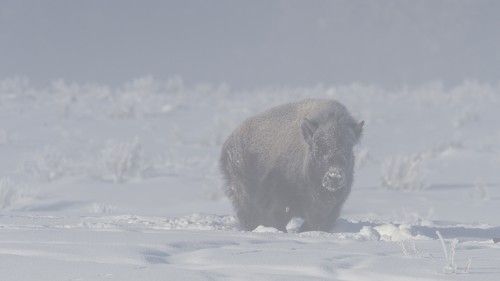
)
(308, 129)
(358, 129)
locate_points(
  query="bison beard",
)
(293, 160)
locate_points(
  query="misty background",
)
(250, 44)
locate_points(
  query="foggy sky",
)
(250, 44)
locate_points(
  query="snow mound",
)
(391, 232)
(266, 229)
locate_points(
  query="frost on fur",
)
(292, 160)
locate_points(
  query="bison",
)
(293, 160)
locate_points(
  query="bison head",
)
(330, 158)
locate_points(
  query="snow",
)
(101, 183)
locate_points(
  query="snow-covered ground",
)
(100, 183)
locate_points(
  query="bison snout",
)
(333, 179)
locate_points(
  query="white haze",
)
(112, 116)
(250, 44)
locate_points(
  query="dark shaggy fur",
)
(293, 160)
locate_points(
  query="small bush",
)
(9, 193)
(403, 173)
(121, 161)
(46, 165)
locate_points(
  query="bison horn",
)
(358, 129)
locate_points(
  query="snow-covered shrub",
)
(11, 193)
(121, 161)
(123, 111)
(47, 164)
(403, 173)
(145, 96)
(362, 157)
(451, 266)
(101, 209)
(14, 88)
(65, 94)
(8, 192)
(480, 192)
(412, 252)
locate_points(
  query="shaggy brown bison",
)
(293, 160)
